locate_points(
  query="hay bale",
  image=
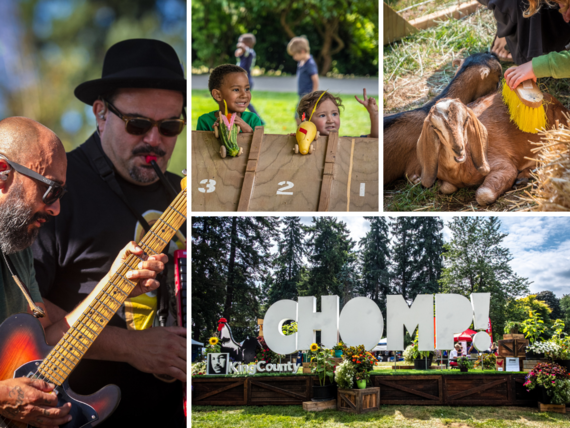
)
(553, 173)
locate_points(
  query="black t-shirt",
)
(75, 250)
(527, 38)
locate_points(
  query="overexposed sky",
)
(540, 247)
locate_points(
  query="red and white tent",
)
(465, 336)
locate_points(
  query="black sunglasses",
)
(141, 125)
(54, 191)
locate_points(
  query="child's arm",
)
(315, 80)
(554, 64)
(241, 48)
(372, 107)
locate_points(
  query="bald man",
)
(32, 177)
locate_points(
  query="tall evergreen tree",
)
(289, 260)
(476, 262)
(375, 262)
(249, 259)
(209, 256)
(404, 252)
(428, 255)
(330, 245)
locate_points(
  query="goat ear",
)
(478, 142)
(428, 152)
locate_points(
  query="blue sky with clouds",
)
(540, 247)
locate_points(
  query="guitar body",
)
(22, 348)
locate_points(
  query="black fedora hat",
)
(136, 63)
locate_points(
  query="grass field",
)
(418, 68)
(278, 111)
(387, 416)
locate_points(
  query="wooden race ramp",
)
(340, 175)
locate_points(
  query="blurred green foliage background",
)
(343, 34)
(48, 47)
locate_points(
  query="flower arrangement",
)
(324, 364)
(339, 346)
(553, 378)
(555, 348)
(214, 346)
(345, 374)
(363, 361)
(199, 368)
(408, 354)
(486, 361)
(266, 354)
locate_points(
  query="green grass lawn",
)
(387, 416)
(278, 111)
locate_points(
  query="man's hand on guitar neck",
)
(146, 272)
(30, 401)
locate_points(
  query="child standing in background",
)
(246, 60)
(307, 72)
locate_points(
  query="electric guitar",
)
(23, 347)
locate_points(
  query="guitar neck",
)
(63, 358)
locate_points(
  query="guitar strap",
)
(99, 161)
(36, 310)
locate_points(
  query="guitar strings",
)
(170, 222)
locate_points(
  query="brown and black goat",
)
(478, 144)
(477, 75)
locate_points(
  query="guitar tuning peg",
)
(184, 172)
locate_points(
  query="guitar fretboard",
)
(63, 358)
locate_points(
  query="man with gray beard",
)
(114, 193)
(32, 181)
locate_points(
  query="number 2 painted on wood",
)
(288, 185)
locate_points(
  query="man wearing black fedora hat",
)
(115, 191)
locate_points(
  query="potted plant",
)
(553, 381)
(464, 364)
(562, 341)
(363, 362)
(512, 327)
(532, 328)
(324, 369)
(422, 359)
(338, 349)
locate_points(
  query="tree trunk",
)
(231, 267)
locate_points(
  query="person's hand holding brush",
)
(514, 76)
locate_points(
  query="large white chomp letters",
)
(420, 315)
(361, 322)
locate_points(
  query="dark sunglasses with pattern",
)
(135, 125)
(55, 190)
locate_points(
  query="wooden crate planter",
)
(556, 408)
(341, 174)
(513, 336)
(512, 347)
(410, 390)
(477, 390)
(358, 400)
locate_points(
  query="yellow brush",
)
(525, 106)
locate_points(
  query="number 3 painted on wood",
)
(288, 185)
(210, 186)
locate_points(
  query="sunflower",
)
(214, 341)
(314, 347)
